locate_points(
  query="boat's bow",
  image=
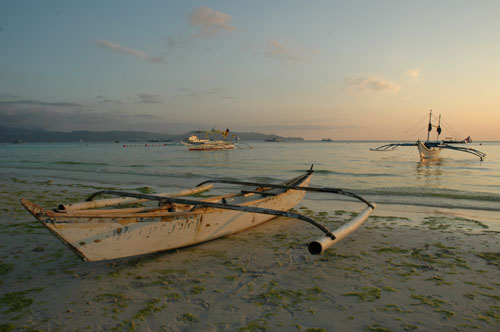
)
(37, 211)
(427, 150)
(43, 217)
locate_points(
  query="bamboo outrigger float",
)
(431, 149)
(110, 233)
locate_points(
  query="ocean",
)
(457, 181)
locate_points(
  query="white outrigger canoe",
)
(95, 232)
(428, 149)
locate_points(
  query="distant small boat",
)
(94, 231)
(274, 139)
(328, 139)
(431, 149)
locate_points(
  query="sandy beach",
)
(406, 269)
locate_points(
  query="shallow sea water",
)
(457, 180)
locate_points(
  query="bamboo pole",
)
(325, 242)
(128, 200)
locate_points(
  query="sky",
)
(362, 70)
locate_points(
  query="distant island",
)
(21, 135)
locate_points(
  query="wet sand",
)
(406, 269)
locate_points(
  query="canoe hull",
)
(210, 147)
(95, 238)
(427, 153)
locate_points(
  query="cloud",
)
(148, 116)
(65, 116)
(305, 126)
(210, 21)
(47, 115)
(200, 94)
(76, 118)
(370, 83)
(413, 73)
(279, 51)
(124, 50)
(178, 43)
(32, 102)
(103, 100)
(8, 96)
(146, 98)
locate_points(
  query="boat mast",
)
(429, 128)
(438, 128)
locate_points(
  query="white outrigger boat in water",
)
(431, 149)
(95, 231)
(198, 144)
(194, 143)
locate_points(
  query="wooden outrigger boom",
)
(99, 234)
(288, 187)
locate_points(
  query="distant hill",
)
(10, 135)
(40, 135)
(253, 136)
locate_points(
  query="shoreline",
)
(403, 270)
